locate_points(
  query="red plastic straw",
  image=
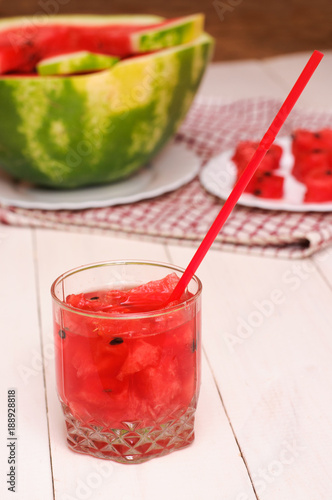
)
(247, 174)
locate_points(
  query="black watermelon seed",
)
(328, 172)
(94, 298)
(267, 174)
(257, 192)
(317, 151)
(116, 341)
(317, 135)
(62, 334)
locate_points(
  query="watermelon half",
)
(77, 130)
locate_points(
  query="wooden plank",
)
(272, 77)
(286, 69)
(323, 262)
(266, 333)
(22, 370)
(239, 80)
(211, 464)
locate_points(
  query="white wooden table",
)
(264, 422)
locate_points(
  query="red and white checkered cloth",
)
(185, 215)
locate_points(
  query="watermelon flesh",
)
(112, 372)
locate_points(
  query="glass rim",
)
(124, 316)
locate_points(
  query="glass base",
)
(131, 443)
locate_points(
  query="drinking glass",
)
(128, 380)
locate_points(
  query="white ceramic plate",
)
(219, 175)
(171, 169)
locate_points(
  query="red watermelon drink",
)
(127, 366)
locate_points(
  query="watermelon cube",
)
(319, 186)
(266, 185)
(308, 163)
(141, 355)
(308, 142)
(245, 151)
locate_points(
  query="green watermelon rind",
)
(75, 62)
(182, 30)
(69, 132)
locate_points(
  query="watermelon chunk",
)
(146, 297)
(306, 141)
(142, 355)
(161, 384)
(266, 185)
(319, 186)
(264, 182)
(309, 162)
(245, 151)
(152, 295)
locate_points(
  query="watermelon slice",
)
(74, 63)
(54, 38)
(25, 42)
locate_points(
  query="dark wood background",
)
(242, 28)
